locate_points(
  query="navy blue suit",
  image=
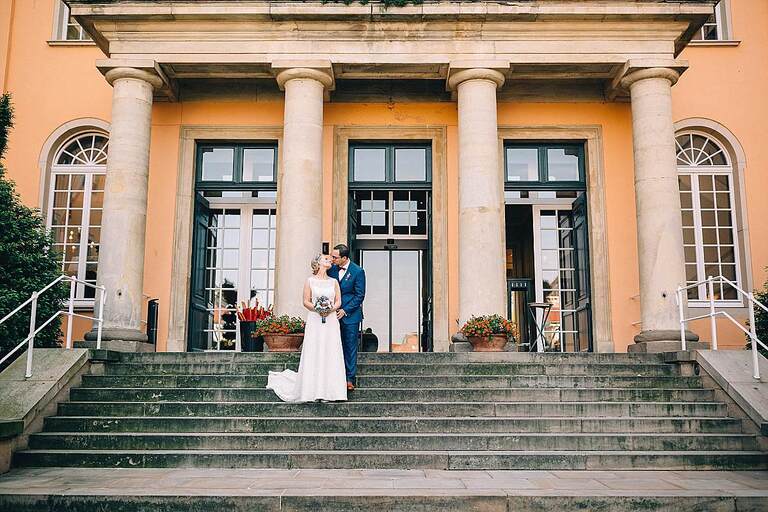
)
(352, 295)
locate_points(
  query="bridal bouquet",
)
(323, 306)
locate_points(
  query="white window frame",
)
(62, 23)
(722, 21)
(246, 207)
(712, 170)
(89, 171)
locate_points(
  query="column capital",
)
(139, 74)
(318, 70)
(643, 74)
(463, 75)
(146, 70)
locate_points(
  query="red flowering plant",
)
(282, 324)
(253, 313)
(487, 325)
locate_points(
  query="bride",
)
(321, 373)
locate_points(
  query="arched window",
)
(707, 197)
(74, 212)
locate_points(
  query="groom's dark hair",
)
(343, 250)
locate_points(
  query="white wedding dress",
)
(321, 375)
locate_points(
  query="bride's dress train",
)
(321, 374)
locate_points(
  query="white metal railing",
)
(69, 312)
(713, 314)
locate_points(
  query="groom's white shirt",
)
(343, 271)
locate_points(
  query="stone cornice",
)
(451, 9)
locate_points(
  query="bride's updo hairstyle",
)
(315, 264)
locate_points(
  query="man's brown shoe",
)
(350, 386)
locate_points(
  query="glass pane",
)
(410, 164)
(76, 199)
(376, 265)
(522, 164)
(685, 182)
(721, 183)
(705, 182)
(724, 218)
(60, 199)
(689, 236)
(370, 164)
(686, 201)
(78, 182)
(259, 164)
(62, 182)
(723, 200)
(95, 217)
(726, 236)
(98, 181)
(218, 164)
(406, 310)
(563, 164)
(707, 200)
(97, 200)
(74, 217)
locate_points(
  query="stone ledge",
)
(732, 370)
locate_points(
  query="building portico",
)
(481, 55)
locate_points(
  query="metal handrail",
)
(69, 312)
(713, 314)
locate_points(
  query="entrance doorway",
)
(389, 231)
(395, 297)
(547, 247)
(233, 242)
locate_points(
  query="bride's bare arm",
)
(337, 300)
(308, 297)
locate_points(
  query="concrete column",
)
(482, 269)
(300, 185)
(121, 256)
(657, 196)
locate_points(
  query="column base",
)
(117, 345)
(122, 340)
(665, 340)
(657, 347)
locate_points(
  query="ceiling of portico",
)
(526, 40)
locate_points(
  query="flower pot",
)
(284, 342)
(249, 342)
(492, 343)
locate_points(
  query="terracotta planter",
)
(493, 343)
(284, 342)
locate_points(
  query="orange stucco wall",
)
(54, 84)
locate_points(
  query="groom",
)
(351, 279)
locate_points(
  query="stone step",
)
(310, 424)
(428, 497)
(391, 441)
(337, 459)
(395, 381)
(385, 369)
(383, 357)
(162, 394)
(397, 409)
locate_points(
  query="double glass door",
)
(562, 276)
(233, 262)
(396, 304)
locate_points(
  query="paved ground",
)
(275, 482)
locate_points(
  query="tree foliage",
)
(26, 262)
(761, 320)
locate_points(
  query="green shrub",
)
(26, 262)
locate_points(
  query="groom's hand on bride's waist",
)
(340, 314)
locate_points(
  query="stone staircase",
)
(411, 411)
